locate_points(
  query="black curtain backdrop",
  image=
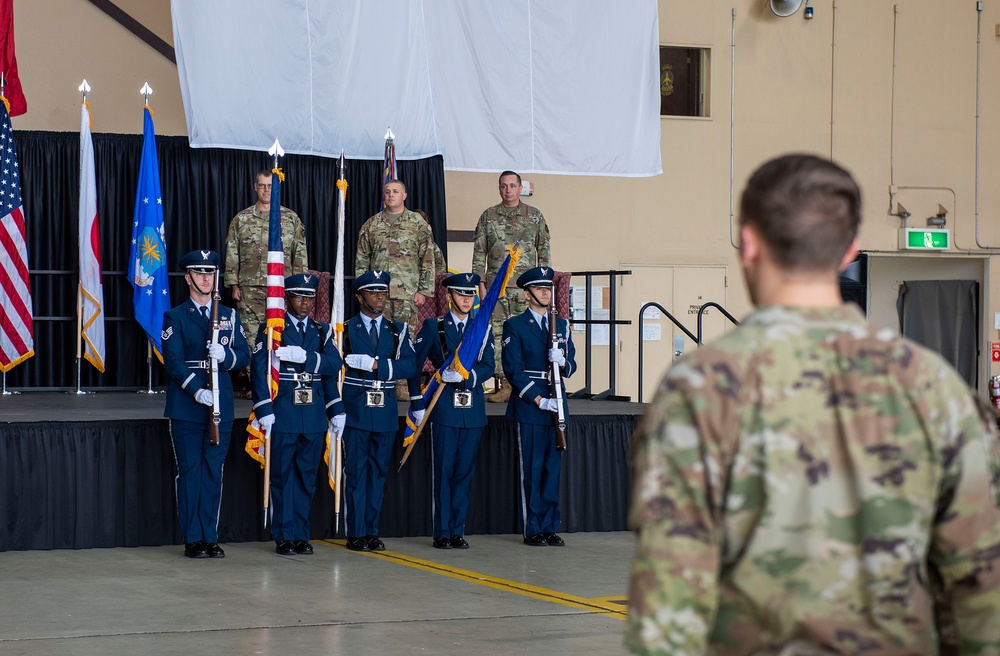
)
(203, 188)
(111, 484)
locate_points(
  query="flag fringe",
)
(92, 360)
(5, 368)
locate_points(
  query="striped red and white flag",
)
(275, 309)
(17, 333)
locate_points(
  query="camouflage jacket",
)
(807, 479)
(246, 247)
(522, 226)
(404, 247)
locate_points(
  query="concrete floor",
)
(499, 597)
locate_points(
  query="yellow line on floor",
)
(601, 605)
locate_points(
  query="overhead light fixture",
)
(902, 213)
(785, 8)
(940, 219)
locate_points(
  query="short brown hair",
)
(806, 208)
(506, 173)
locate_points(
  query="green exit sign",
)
(924, 239)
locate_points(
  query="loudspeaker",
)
(785, 7)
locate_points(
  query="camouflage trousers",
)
(405, 311)
(509, 305)
(252, 307)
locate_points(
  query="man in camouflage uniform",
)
(399, 241)
(511, 223)
(810, 484)
(246, 253)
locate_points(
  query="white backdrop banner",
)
(550, 86)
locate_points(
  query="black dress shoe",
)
(284, 547)
(195, 550)
(303, 547)
(214, 550)
(458, 542)
(553, 540)
(374, 543)
(537, 540)
(442, 543)
(357, 544)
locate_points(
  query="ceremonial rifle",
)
(213, 367)
(559, 418)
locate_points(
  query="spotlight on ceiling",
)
(785, 7)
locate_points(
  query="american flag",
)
(17, 341)
(275, 309)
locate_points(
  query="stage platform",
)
(97, 470)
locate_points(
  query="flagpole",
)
(5, 391)
(267, 433)
(338, 331)
(146, 91)
(83, 88)
(275, 150)
(149, 370)
(79, 340)
(420, 428)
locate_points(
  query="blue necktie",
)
(373, 332)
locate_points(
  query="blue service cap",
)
(200, 261)
(373, 281)
(465, 284)
(302, 284)
(537, 277)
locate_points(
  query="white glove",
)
(204, 397)
(217, 352)
(556, 356)
(291, 354)
(418, 416)
(451, 376)
(265, 422)
(360, 361)
(337, 423)
(551, 405)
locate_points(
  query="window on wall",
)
(684, 81)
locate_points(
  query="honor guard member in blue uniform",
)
(307, 400)
(459, 415)
(187, 330)
(377, 352)
(527, 352)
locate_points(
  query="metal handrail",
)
(642, 312)
(701, 313)
(697, 339)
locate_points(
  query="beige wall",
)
(61, 42)
(887, 88)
